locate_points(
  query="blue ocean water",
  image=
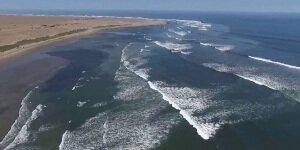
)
(202, 81)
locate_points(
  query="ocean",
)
(202, 81)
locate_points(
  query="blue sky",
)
(185, 5)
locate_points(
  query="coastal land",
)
(19, 34)
(24, 62)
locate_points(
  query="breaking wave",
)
(174, 47)
(23, 135)
(194, 106)
(20, 122)
(86, 136)
(219, 47)
(180, 33)
(195, 24)
(273, 62)
(136, 127)
(205, 129)
(260, 80)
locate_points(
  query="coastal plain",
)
(19, 33)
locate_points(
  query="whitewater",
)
(274, 62)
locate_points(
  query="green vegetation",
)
(40, 39)
(107, 26)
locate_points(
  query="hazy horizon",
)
(276, 6)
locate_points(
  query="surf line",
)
(23, 117)
(256, 82)
(184, 113)
(274, 62)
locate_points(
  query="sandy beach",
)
(23, 65)
(19, 34)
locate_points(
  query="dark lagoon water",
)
(203, 81)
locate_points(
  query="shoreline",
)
(21, 50)
(24, 67)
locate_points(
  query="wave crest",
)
(195, 24)
(273, 62)
(219, 47)
(174, 47)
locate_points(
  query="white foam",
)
(144, 50)
(205, 130)
(136, 127)
(105, 126)
(100, 104)
(180, 33)
(81, 104)
(133, 126)
(77, 85)
(129, 92)
(23, 135)
(256, 81)
(174, 47)
(195, 24)
(274, 62)
(187, 100)
(260, 80)
(24, 114)
(284, 81)
(185, 53)
(192, 100)
(193, 104)
(142, 72)
(219, 47)
(63, 140)
(124, 57)
(85, 137)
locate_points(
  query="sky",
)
(155, 5)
